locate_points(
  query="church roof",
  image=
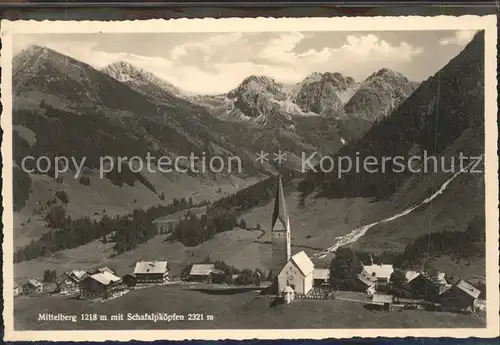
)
(303, 262)
(280, 215)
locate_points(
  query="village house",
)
(151, 272)
(204, 273)
(383, 301)
(32, 286)
(298, 274)
(366, 283)
(100, 285)
(421, 286)
(130, 280)
(382, 272)
(321, 276)
(460, 296)
(69, 281)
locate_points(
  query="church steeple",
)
(280, 220)
(280, 232)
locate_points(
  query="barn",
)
(298, 274)
(100, 285)
(151, 272)
(204, 273)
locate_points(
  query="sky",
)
(211, 63)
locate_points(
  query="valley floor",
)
(314, 227)
(237, 308)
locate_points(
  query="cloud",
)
(218, 62)
(461, 38)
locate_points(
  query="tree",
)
(243, 224)
(258, 226)
(63, 196)
(85, 180)
(397, 284)
(344, 268)
(49, 276)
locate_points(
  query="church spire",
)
(280, 215)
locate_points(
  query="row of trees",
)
(130, 230)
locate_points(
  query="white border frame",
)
(413, 23)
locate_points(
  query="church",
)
(289, 272)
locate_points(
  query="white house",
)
(381, 272)
(297, 273)
(151, 272)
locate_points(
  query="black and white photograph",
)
(250, 176)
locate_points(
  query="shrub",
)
(63, 196)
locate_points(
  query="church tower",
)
(280, 232)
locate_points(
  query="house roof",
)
(105, 278)
(321, 273)
(378, 298)
(379, 271)
(444, 288)
(288, 289)
(302, 261)
(280, 219)
(367, 279)
(34, 282)
(202, 269)
(469, 289)
(74, 275)
(410, 275)
(105, 269)
(150, 267)
(78, 274)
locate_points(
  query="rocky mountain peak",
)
(139, 79)
(324, 93)
(381, 93)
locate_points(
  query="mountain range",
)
(63, 106)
